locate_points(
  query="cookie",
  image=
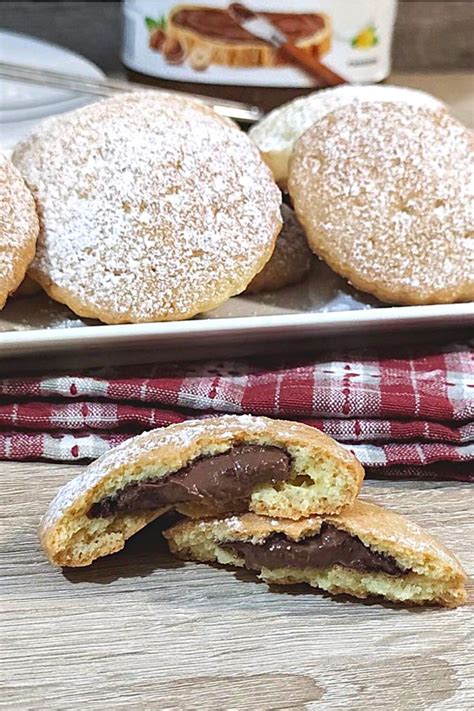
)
(18, 228)
(205, 467)
(152, 208)
(384, 193)
(365, 551)
(277, 133)
(291, 260)
(27, 288)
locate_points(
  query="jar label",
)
(220, 43)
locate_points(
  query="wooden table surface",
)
(140, 630)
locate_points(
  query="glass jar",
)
(206, 49)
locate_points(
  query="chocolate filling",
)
(222, 25)
(329, 547)
(225, 481)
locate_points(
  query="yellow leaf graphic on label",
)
(366, 39)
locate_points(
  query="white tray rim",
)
(12, 342)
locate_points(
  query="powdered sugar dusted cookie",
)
(152, 208)
(18, 228)
(202, 468)
(385, 195)
(277, 133)
(291, 260)
(366, 550)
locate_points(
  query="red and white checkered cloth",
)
(410, 416)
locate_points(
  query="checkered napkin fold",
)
(409, 416)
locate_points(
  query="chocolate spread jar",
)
(209, 48)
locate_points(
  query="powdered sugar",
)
(385, 193)
(18, 227)
(181, 436)
(285, 124)
(278, 132)
(233, 523)
(153, 208)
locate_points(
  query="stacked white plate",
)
(22, 105)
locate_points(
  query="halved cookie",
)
(365, 551)
(202, 468)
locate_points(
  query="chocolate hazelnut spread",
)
(329, 547)
(224, 480)
(221, 24)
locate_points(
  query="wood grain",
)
(140, 630)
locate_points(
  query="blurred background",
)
(436, 35)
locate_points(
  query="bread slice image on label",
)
(209, 467)
(215, 31)
(365, 551)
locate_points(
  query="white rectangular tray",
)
(321, 311)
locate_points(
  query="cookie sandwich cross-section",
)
(364, 551)
(209, 467)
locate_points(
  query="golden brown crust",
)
(291, 260)
(166, 450)
(379, 528)
(18, 228)
(383, 192)
(242, 54)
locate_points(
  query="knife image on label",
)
(261, 27)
